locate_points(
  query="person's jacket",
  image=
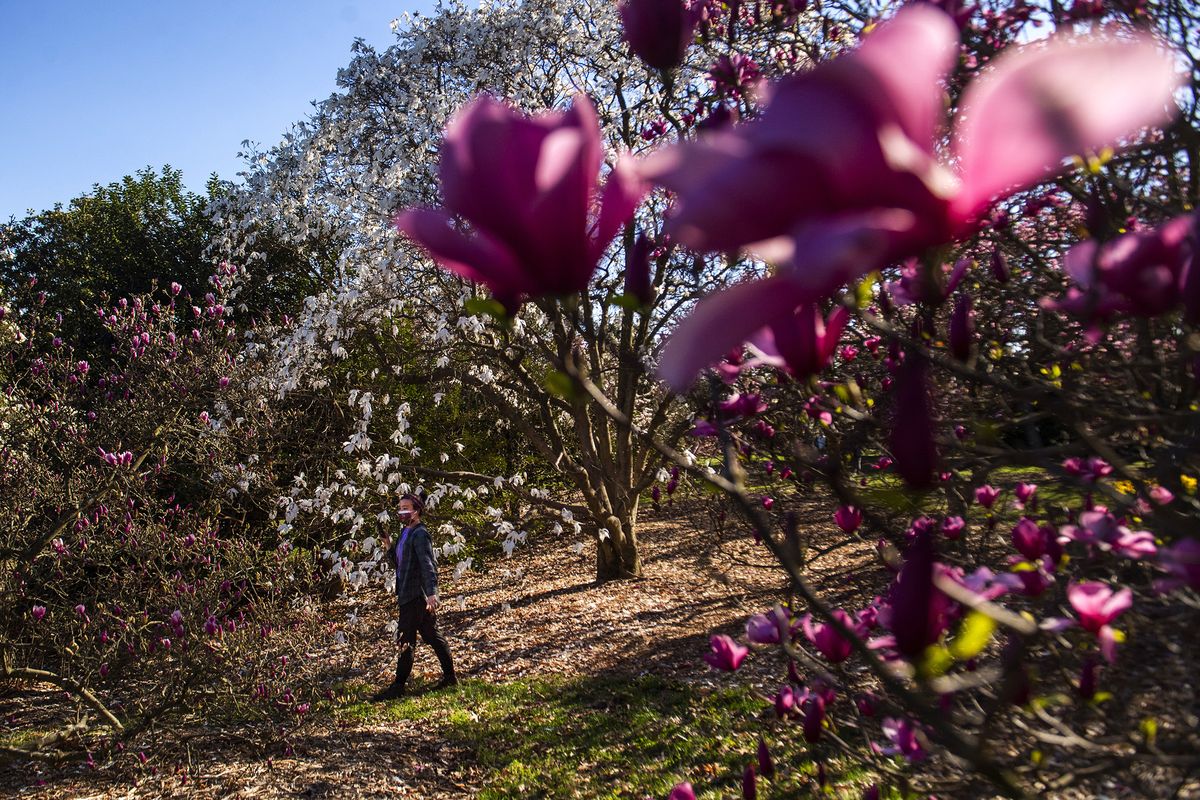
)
(416, 575)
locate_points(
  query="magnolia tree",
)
(135, 571)
(993, 304)
(536, 279)
(948, 274)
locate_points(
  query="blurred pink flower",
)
(659, 31)
(840, 175)
(1097, 605)
(682, 791)
(527, 186)
(726, 653)
(848, 518)
(828, 641)
(986, 495)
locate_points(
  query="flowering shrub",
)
(137, 573)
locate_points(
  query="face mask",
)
(404, 514)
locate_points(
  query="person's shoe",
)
(392, 692)
(446, 683)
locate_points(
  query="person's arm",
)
(423, 552)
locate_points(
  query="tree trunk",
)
(617, 556)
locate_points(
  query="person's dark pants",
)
(415, 619)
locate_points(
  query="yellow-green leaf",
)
(974, 634)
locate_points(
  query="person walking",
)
(416, 595)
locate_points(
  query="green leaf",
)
(935, 661)
(485, 306)
(864, 292)
(560, 384)
(974, 634)
(626, 301)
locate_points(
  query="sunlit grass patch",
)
(607, 737)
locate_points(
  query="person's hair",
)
(417, 501)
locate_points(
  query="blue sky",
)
(95, 91)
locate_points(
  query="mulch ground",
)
(541, 613)
(538, 613)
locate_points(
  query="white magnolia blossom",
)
(332, 185)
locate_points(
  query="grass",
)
(607, 737)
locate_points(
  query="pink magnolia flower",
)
(749, 783)
(904, 739)
(917, 612)
(766, 764)
(726, 653)
(828, 641)
(962, 328)
(1029, 539)
(1101, 529)
(1090, 470)
(986, 495)
(785, 701)
(742, 405)
(802, 343)
(527, 186)
(1161, 495)
(911, 439)
(38, 613)
(1025, 493)
(952, 527)
(848, 518)
(1097, 605)
(814, 716)
(1144, 273)
(1182, 562)
(659, 31)
(770, 628)
(682, 791)
(840, 176)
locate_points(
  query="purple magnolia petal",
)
(1097, 604)
(827, 640)
(1029, 539)
(477, 258)
(658, 31)
(749, 783)
(912, 426)
(1182, 561)
(682, 791)
(637, 270)
(488, 160)
(1046, 102)
(925, 42)
(814, 715)
(622, 192)
(727, 196)
(848, 518)
(726, 654)
(1107, 636)
(720, 322)
(822, 255)
(766, 764)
